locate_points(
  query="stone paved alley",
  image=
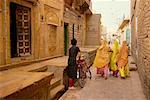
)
(110, 89)
(35, 38)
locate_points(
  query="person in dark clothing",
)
(72, 65)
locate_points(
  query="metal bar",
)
(73, 31)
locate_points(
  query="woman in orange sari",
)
(122, 61)
(102, 60)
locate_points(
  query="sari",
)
(102, 59)
(113, 58)
(122, 61)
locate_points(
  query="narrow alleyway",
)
(40, 41)
(111, 89)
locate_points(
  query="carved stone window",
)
(20, 30)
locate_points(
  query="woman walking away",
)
(102, 60)
(72, 65)
(122, 61)
(115, 52)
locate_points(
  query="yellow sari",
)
(102, 56)
(114, 55)
(123, 60)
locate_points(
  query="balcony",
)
(69, 2)
(81, 6)
(86, 5)
(123, 24)
(33, 1)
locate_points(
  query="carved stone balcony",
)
(80, 5)
(87, 4)
(69, 2)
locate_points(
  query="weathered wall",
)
(134, 5)
(141, 40)
(1, 37)
(46, 30)
(124, 34)
(73, 17)
(93, 30)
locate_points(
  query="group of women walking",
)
(113, 59)
(107, 59)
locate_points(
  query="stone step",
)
(55, 82)
(132, 67)
(56, 90)
(41, 69)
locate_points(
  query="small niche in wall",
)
(51, 17)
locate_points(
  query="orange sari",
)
(122, 61)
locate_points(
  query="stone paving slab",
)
(110, 89)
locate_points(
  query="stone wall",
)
(133, 26)
(73, 17)
(1, 36)
(93, 30)
(141, 40)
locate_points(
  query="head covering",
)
(114, 55)
(123, 55)
(102, 55)
(115, 47)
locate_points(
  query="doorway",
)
(20, 30)
(66, 39)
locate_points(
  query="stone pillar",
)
(5, 34)
(41, 30)
(1, 37)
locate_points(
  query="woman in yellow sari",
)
(115, 51)
(102, 60)
(122, 61)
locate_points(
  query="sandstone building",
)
(36, 30)
(124, 30)
(30, 30)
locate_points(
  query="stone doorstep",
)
(41, 69)
(42, 66)
(132, 62)
(27, 63)
(55, 82)
(54, 92)
(132, 67)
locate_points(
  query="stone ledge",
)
(24, 63)
(15, 83)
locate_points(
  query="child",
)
(72, 65)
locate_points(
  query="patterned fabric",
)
(103, 71)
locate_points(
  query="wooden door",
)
(23, 28)
(66, 40)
